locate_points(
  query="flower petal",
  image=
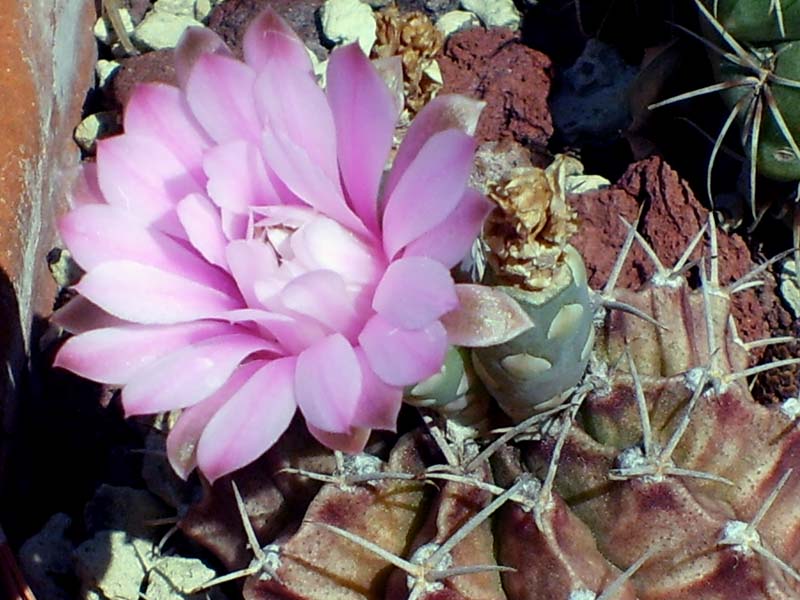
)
(182, 439)
(364, 114)
(85, 188)
(328, 384)
(79, 315)
(202, 222)
(194, 43)
(401, 357)
(143, 176)
(413, 292)
(429, 189)
(234, 225)
(295, 108)
(294, 332)
(451, 240)
(269, 37)
(379, 403)
(486, 316)
(113, 355)
(251, 261)
(306, 179)
(390, 69)
(250, 421)
(161, 112)
(351, 442)
(325, 244)
(118, 287)
(292, 217)
(450, 111)
(322, 296)
(237, 176)
(99, 233)
(220, 93)
(190, 375)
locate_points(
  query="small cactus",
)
(531, 260)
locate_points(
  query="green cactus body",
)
(775, 157)
(757, 20)
(528, 373)
(455, 392)
(530, 259)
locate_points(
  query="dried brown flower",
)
(532, 224)
(414, 38)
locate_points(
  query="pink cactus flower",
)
(245, 255)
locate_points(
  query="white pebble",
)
(455, 21)
(175, 7)
(433, 72)
(161, 30)
(203, 8)
(494, 13)
(346, 21)
(105, 70)
(789, 289)
(94, 127)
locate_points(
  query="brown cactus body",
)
(689, 480)
(661, 478)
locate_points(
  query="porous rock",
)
(672, 216)
(513, 80)
(157, 66)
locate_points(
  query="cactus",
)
(753, 47)
(759, 21)
(633, 461)
(531, 260)
(659, 477)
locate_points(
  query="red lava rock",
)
(601, 234)
(230, 18)
(156, 66)
(514, 80)
(672, 216)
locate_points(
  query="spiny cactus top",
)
(245, 255)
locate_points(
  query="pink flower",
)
(245, 256)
